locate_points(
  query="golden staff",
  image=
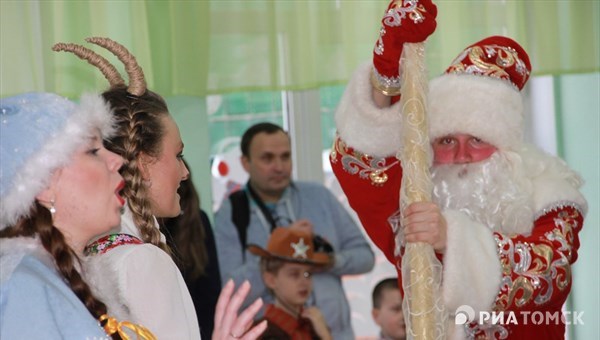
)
(421, 271)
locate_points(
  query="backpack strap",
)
(110, 241)
(240, 216)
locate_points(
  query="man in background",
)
(271, 199)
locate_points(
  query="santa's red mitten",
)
(405, 21)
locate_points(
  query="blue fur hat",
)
(39, 132)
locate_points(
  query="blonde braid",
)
(137, 190)
(139, 131)
(138, 114)
(39, 222)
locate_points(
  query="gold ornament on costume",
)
(125, 329)
(389, 86)
(536, 265)
(400, 10)
(490, 60)
(361, 164)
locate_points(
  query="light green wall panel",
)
(579, 124)
(190, 115)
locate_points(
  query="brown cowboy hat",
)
(291, 245)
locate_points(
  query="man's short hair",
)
(389, 283)
(266, 127)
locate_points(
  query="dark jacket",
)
(205, 289)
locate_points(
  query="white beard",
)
(494, 192)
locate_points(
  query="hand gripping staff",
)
(400, 55)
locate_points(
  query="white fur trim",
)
(454, 331)
(103, 274)
(98, 114)
(14, 249)
(472, 271)
(362, 124)
(93, 112)
(484, 107)
(554, 183)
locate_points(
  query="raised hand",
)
(318, 322)
(302, 225)
(405, 21)
(228, 324)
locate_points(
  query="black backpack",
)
(240, 215)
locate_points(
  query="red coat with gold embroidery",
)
(489, 270)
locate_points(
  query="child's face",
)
(292, 284)
(389, 316)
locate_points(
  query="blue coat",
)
(35, 302)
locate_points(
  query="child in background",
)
(287, 266)
(387, 310)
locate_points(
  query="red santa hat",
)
(479, 94)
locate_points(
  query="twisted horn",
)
(137, 83)
(108, 70)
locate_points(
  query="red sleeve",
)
(372, 186)
(536, 269)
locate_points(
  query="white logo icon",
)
(463, 315)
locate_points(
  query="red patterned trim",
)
(109, 242)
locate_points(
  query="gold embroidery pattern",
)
(485, 331)
(125, 329)
(536, 265)
(474, 60)
(354, 162)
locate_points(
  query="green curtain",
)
(205, 47)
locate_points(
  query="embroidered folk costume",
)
(41, 133)
(119, 266)
(515, 256)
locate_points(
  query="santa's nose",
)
(462, 154)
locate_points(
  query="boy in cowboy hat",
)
(287, 265)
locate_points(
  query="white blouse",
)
(141, 283)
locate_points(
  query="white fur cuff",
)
(472, 271)
(362, 124)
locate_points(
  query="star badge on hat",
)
(291, 245)
(300, 249)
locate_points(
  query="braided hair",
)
(39, 223)
(140, 131)
(140, 115)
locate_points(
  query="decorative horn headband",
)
(137, 82)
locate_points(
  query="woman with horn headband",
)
(59, 188)
(130, 267)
